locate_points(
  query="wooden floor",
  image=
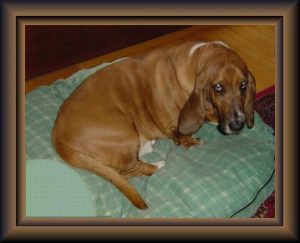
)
(254, 43)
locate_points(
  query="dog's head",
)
(223, 93)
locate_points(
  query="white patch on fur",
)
(227, 130)
(160, 164)
(241, 114)
(213, 123)
(146, 148)
(201, 44)
(221, 43)
(197, 46)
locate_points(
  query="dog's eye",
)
(244, 85)
(218, 88)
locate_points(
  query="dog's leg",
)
(142, 168)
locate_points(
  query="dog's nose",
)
(236, 125)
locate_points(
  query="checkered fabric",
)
(227, 176)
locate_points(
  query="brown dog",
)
(168, 93)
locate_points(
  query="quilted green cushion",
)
(227, 176)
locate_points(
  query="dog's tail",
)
(116, 179)
(84, 161)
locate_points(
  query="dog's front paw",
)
(187, 141)
(184, 140)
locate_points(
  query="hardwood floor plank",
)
(254, 43)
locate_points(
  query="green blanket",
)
(227, 176)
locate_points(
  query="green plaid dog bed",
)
(227, 176)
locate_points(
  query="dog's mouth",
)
(227, 131)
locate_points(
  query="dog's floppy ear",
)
(192, 114)
(249, 101)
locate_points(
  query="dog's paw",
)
(191, 142)
(187, 141)
(159, 164)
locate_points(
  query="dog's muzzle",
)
(233, 125)
(236, 125)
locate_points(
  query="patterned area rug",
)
(265, 107)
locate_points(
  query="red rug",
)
(265, 107)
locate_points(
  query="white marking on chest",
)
(146, 148)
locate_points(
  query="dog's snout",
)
(236, 125)
(236, 114)
(237, 122)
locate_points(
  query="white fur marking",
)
(196, 46)
(213, 123)
(160, 164)
(146, 148)
(241, 114)
(227, 130)
(201, 44)
(221, 43)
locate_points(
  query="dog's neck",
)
(185, 67)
